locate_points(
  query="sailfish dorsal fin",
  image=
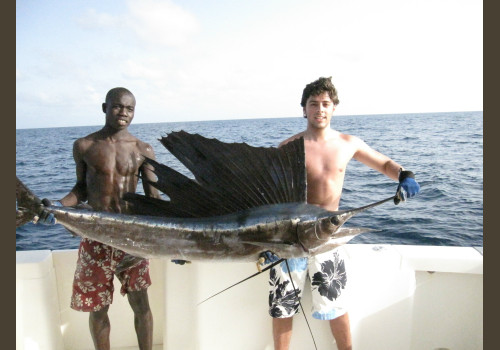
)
(228, 177)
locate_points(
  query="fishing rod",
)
(258, 273)
(234, 285)
(300, 304)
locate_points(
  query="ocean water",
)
(444, 150)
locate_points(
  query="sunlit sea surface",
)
(444, 150)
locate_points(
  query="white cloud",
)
(143, 69)
(92, 19)
(162, 22)
(94, 97)
(151, 21)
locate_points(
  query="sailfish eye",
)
(334, 220)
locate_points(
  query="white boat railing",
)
(403, 298)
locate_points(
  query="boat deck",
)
(404, 297)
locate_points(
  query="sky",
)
(195, 60)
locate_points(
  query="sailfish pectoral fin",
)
(341, 237)
(270, 246)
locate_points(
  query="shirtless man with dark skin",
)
(327, 154)
(108, 163)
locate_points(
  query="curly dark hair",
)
(318, 87)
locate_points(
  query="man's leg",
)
(341, 331)
(282, 332)
(100, 328)
(282, 291)
(143, 318)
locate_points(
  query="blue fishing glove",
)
(269, 257)
(180, 262)
(46, 218)
(265, 258)
(407, 187)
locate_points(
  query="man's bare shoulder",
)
(144, 147)
(349, 138)
(294, 137)
(135, 144)
(95, 139)
(85, 142)
(353, 142)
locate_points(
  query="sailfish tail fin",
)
(28, 204)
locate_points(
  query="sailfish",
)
(242, 201)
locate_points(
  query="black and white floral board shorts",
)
(328, 282)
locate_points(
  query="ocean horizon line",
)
(256, 118)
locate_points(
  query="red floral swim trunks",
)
(93, 282)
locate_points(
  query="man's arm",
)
(407, 187)
(78, 193)
(375, 160)
(146, 172)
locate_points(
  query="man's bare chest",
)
(329, 161)
(114, 158)
(326, 167)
